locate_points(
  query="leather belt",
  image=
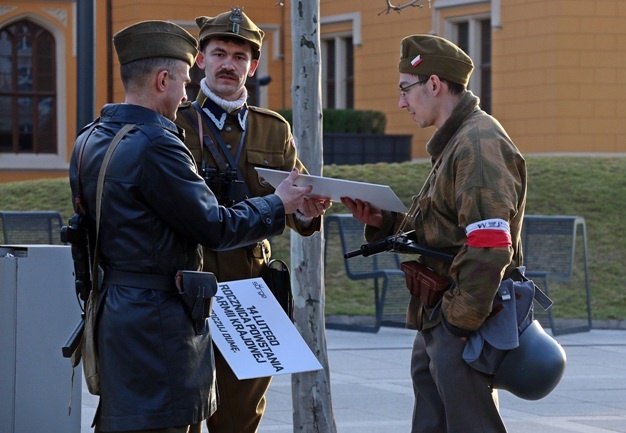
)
(140, 281)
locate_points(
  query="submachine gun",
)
(75, 233)
(400, 243)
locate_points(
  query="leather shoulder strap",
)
(103, 169)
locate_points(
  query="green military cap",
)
(432, 55)
(234, 24)
(148, 39)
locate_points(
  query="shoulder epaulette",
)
(267, 112)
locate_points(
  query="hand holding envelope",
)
(363, 211)
(314, 207)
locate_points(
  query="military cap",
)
(432, 55)
(233, 24)
(148, 39)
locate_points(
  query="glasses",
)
(405, 90)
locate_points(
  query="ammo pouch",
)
(197, 289)
(276, 276)
(424, 283)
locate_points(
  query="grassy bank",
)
(594, 188)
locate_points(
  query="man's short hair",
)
(135, 73)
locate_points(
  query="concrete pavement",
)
(372, 391)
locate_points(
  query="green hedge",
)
(352, 121)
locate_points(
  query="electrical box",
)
(38, 311)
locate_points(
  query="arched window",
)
(28, 94)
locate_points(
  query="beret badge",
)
(236, 18)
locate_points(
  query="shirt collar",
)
(218, 115)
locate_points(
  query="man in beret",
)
(237, 138)
(156, 363)
(472, 206)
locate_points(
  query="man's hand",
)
(291, 195)
(314, 207)
(363, 211)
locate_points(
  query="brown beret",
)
(431, 55)
(234, 24)
(148, 39)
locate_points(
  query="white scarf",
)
(228, 106)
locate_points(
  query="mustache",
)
(224, 72)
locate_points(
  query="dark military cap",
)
(431, 55)
(234, 24)
(148, 39)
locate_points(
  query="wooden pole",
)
(311, 395)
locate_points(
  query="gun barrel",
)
(73, 340)
(354, 253)
(369, 249)
(399, 243)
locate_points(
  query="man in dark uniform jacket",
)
(156, 370)
(243, 137)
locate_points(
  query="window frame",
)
(340, 62)
(474, 50)
(45, 161)
(353, 20)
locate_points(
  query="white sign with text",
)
(254, 334)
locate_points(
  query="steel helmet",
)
(533, 369)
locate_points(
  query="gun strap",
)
(540, 296)
(94, 270)
(233, 162)
(205, 140)
(220, 140)
(103, 168)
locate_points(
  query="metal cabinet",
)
(38, 310)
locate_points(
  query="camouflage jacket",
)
(478, 176)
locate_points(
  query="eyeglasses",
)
(405, 90)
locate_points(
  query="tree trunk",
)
(312, 403)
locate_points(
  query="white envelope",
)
(379, 196)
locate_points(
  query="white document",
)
(254, 334)
(379, 196)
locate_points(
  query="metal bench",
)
(550, 256)
(381, 270)
(31, 227)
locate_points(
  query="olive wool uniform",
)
(268, 143)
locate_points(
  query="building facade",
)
(552, 72)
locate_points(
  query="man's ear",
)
(253, 65)
(436, 84)
(200, 60)
(161, 79)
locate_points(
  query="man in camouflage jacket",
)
(471, 205)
